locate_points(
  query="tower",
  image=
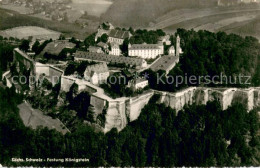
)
(178, 46)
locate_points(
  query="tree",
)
(35, 46)
(42, 46)
(81, 104)
(124, 47)
(90, 40)
(104, 38)
(131, 30)
(25, 46)
(62, 37)
(71, 68)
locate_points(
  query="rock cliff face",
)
(123, 110)
(178, 100)
(116, 116)
(136, 104)
(119, 114)
(257, 97)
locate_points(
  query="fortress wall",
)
(250, 103)
(116, 116)
(98, 104)
(180, 99)
(22, 60)
(66, 83)
(136, 104)
(257, 97)
(120, 111)
(42, 70)
(245, 97)
(228, 98)
(225, 97)
(54, 74)
(201, 96)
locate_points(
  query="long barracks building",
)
(136, 62)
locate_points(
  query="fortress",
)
(24, 62)
(119, 112)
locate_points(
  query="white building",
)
(97, 74)
(171, 51)
(178, 46)
(115, 49)
(137, 84)
(118, 36)
(146, 51)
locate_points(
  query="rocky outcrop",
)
(119, 112)
(178, 100)
(116, 116)
(136, 104)
(132, 107)
(257, 97)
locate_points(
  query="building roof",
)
(114, 45)
(164, 38)
(93, 49)
(119, 34)
(110, 58)
(56, 47)
(145, 46)
(172, 48)
(97, 68)
(165, 63)
(103, 45)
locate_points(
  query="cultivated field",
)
(251, 28)
(225, 22)
(170, 15)
(230, 22)
(209, 15)
(93, 7)
(10, 19)
(25, 32)
(20, 9)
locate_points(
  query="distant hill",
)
(188, 14)
(142, 12)
(10, 19)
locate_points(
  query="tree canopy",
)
(195, 136)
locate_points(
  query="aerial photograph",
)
(129, 83)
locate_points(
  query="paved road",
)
(34, 118)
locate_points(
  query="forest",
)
(211, 54)
(6, 55)
(196, 136)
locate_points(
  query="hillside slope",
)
(10, 19)
(188, 14)
(140, 13)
